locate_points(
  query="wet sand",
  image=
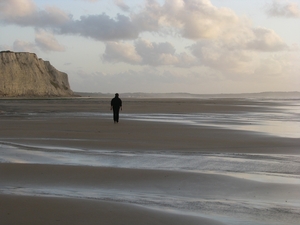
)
(43, 210)
(55, 123)
(101, 133)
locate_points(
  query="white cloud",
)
(287, 9)
(26, 13)
(148, 19)
(239, 51)
(47, 42)
(156, 54)
(145, 52)
(198, 19)
(231, 55)
(43, 41)
(23, 46)
(230, 61)
(10, 9)
(266, 40)
(193, 19)
(121, 52)
(186, 60)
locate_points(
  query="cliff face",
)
(23, 74)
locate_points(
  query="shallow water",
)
(233, 209)
(275, 168)
(282, 120)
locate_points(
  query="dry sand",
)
(101, 133)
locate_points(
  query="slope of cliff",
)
(23, 74)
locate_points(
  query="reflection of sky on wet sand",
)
(281, 119)
(278, 128)
(248, 122)
(258, 167)
(275, 170)
(277, 124)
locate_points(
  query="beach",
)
(168, 161)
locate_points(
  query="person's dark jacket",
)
(116, 103)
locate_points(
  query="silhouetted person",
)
(116, 105)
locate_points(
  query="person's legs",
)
(116, 115)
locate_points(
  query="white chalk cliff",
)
(23, 74)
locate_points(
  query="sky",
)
(161, 46)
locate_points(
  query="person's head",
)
(116, 95)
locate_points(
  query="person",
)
(116, 105)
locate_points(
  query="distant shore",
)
(259, 95)
(264, 95)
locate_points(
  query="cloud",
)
(99, 27)
(149, 18)
(23, 46)
(20, 46)
(198, 19)
(148, 79)
(122, 5)
(266, 40)
(121, 52)
(240, 54)
(43, 41)
(218, 57)
(11, 9)
(193, 19)
(223, 41)
(236, 62)
(288, 9)
(235, 54)
(26, 13)
(272, 65)
(102, 27)
(47, 42)
(156, 54)
(145, 52)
